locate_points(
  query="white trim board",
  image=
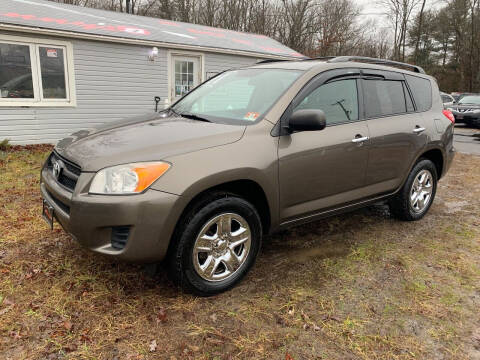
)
(38, 101)
(170, 74)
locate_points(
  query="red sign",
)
(52, 53)
(113, 28)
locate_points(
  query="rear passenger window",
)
(384, 97)
(338, 100)
(422, 92)
(445, 99)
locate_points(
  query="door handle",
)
(360, 139)
(418, 129)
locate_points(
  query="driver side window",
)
(338, 100)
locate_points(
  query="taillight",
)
(449, 115)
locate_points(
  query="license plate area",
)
(48, 213)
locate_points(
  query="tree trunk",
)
(420, 25)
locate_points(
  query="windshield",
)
(237, 96)
(470, 100)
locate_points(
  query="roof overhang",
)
(130, 41)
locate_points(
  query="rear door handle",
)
(418, 129)
(360, 139)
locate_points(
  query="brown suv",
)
(247, 153)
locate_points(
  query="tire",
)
(401, 205)
(476, 123)
(192, 257)
(473, 123)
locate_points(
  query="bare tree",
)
(400, 12)
(420, 24)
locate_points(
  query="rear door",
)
(322, 169)
(391, 120)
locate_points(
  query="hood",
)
(148, 138)
(466, 106)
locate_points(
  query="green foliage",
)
(4, 145)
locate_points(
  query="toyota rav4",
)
(246, 153)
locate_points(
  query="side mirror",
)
(307, 120)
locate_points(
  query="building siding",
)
(112, 81)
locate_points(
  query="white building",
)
(64, 68)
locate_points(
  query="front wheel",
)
(416, 196)
(216, 244)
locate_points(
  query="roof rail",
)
(266, 61)
(364, 59)
(385, 62)
(322, 58)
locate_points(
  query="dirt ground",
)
(357, 286)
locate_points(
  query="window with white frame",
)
(35, 73)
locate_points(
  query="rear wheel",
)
(416, 196)
(216, 244)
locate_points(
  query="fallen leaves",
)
(476, 339)
(5, 310)
(330, 317)
(162, 316)
(153, 345)
(67, 325)
(7, 301)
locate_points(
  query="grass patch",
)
(355, 286)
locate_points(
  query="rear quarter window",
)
(421, 91)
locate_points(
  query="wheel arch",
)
(246, 188)
(436, 156)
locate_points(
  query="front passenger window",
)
(338, 100)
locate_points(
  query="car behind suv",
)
(467, 110)
(249, 152)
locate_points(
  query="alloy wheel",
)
(421, 191)
(221, 247)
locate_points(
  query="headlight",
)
(127, 179)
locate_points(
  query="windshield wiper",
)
(193, 117)
(173, 111)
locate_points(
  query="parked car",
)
(467, 110)
(251, 151)
(459, 96)
(447, 100)
(455, 95)
(18, 87)
(53, 86)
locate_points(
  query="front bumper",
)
(90, 219)
(465, 117)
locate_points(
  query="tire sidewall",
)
(236, 205)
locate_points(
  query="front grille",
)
(59, 203)
(69, 172)
(120, 236)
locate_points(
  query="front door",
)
(322, 169)
(186, 74)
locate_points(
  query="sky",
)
(372, 10)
